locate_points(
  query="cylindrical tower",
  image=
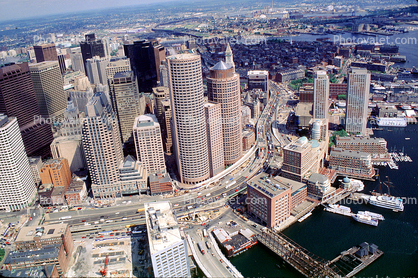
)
(224, 88)
(189, 125)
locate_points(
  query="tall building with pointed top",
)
(224, 88)
(102, 147)
(189, 125)
(357, 101)
(229, 58)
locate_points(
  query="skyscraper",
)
(167, 247)
(321, 95)
(189, 125)
(116, 65)
(45, 52)
(102, 147)
(49, 90)
(77, 62)
(91, 47)
(145, 57)
(17, 187)
(214, 134)
(357, 101)
(167, 137)
(96, 70)
(148, 143)
(224, 88)
(19, 100)
(125, 101)
(160, 94)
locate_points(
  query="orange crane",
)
(103, 270)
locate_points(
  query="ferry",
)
(365, 219)
(338, 209)
(387, 202)
(373, 215)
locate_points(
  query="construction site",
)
(111, 257)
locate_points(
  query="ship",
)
(393, 122)
(387, 202)
(365, 219)
(373, 215)
(339, 209)
(384, 200)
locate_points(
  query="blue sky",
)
(19, 9)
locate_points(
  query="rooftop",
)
(163, 230)
(146, 121)
(267, 185)
(221, 66)
(49, 252)
(44, 232)
(347, 153)
(315, 177)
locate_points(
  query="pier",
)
(347, 264)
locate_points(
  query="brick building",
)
(271, 200)
(56, 171)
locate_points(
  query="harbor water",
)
(326, 234)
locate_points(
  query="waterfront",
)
(326, 234)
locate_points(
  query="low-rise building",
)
(362, 144)
(58, 195)
(319, 187)
(248, 139)
(45, 194)
(289, 75)
(133, 176)
(160, 183)
(50, 255)
(76, 192)
(271, 200)
(30, 238)
(351, 163)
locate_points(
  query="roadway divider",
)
(199, 263)
(227, 262)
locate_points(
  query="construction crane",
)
(103, 271)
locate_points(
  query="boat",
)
(392, 122)
(387, 202)
(373, 215)
(338, 209)
(407, 138)
(305, 216)
(365, 219)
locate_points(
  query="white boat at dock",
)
(305, 216)
(373, 215)
(387, 202)
(365, 219)
(339, 209)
